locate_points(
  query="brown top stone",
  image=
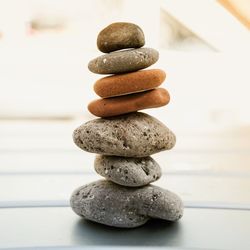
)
(129, 103)
(119, 36)
(123, 84)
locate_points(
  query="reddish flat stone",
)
(129, 103)
(129, 83)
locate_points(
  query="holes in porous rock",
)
(137, 161)
(155, 197)
(145, 169)
(125, 171)
(87, 195)
(112, 167)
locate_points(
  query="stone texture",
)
(123, 84)
(129, 103)
(132, 135)
(127, 171)
(124, 61)
(120, 35)
(114, 205)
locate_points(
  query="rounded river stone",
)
(119, 36)
(124, 61)
(119, 105)
(129, 83)
(108, 203)
(127, 171)
(132, 135)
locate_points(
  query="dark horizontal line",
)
(204, 173)
(195, 151)
(65, 203)
(104, 248)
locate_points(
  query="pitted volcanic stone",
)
(124, 61)
(129, 103)
(132, 135)
(120, 35)
(123, 84)
(127, 171)
(108, 203)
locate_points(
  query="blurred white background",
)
(45, 47)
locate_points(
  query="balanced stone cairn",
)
(123, 138)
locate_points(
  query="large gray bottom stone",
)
(126, 171)
(108, 203)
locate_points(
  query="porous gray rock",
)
(108, 203)
(127, 171)
(132, 135)
(124, 61)
(119, 36)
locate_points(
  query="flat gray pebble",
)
(132, 135)
(120, 35)
(108, 203)
(124, 61)
(127, 171)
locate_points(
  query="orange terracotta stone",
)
(129, 103)
(129, 83)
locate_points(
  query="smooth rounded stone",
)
(119, 36)
(129, 103)
(127, 171)
(123, 84)
(108, 203)
(132, 135)
(124, 61)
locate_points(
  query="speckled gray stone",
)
(119, 36)
(108, 203)
(127, 171)
(132, 135)
(124, 61)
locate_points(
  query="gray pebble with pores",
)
(124, 61)
(132, 135)
(127, 171)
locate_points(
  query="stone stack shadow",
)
(123, 138)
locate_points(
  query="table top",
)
(40, 167)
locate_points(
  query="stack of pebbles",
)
(123, 138)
